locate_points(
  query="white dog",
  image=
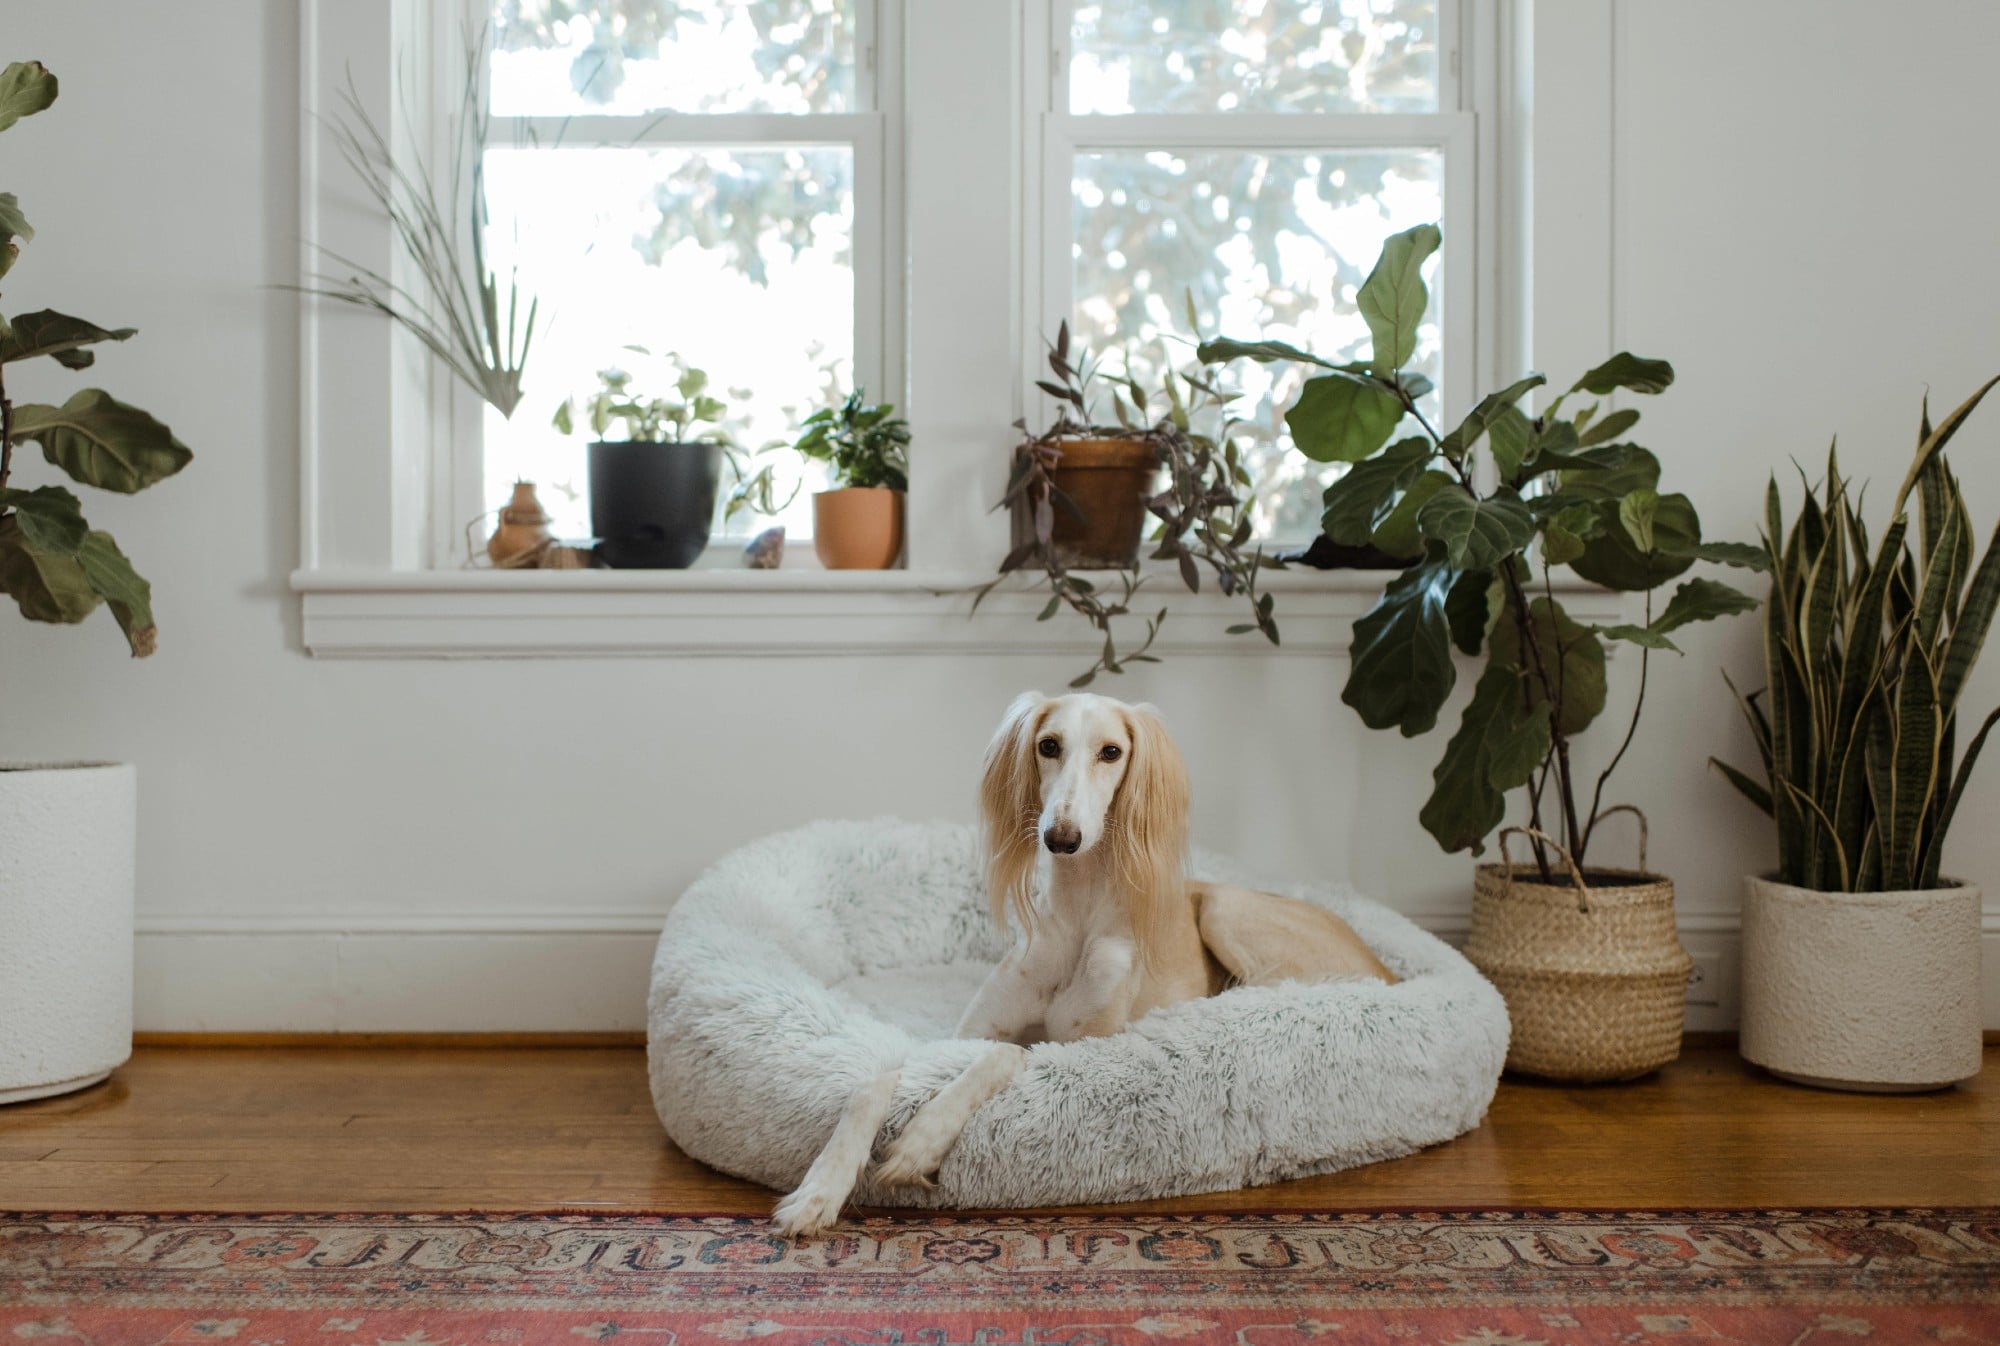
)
(1117, 932)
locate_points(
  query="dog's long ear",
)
(1010, 805)
(1150, 826)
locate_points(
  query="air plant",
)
(455, 304)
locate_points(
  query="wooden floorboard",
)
(465, 1127)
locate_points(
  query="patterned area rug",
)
(1479, 1278)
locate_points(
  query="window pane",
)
(739, 261)
(560, 58)
(1272, 246)
(1254, 56)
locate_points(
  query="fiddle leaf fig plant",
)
(53, 563)
(1567, 489)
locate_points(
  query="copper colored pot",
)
(1109, 481)
(858, 527)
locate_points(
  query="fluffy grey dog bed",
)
(805, 963)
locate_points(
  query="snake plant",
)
(1866, 655)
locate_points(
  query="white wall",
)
(420, 845)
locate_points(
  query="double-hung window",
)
(694, 179)
(1251, 154)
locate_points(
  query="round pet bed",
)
(805, 963)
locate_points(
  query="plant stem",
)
(1638, 703)
(6, 435)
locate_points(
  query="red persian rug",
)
(1471, 1278)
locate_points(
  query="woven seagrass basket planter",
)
(1593, 973)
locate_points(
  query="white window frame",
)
(966, 295)
(1057, 136)
(866, 132)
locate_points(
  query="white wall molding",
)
(544, 614)
(576, 971)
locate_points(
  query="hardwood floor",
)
(441, 1128)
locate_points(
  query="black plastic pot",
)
(1326, 554)
(651, 504)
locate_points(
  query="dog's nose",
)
(1062, 838)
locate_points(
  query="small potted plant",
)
(1202, 513)
(1101, 474)
(68, 831)
(653, 487)
(858, 522)
(1860, 958)
(1586, 956)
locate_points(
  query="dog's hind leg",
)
(916, 1154)
(1262, 939)
(815, 1203)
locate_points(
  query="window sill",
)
(489, 614)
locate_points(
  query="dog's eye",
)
(1050, 747)
(1109, 752)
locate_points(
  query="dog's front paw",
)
(808, 1211)
(914, 1157)
(898, 1170)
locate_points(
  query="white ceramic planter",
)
(1866, 991)
(67, 842)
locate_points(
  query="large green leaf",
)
(1501, 739)
(102, 442)
(26, 87)
(46, 332)
(51, 518)
(1393, 298)
(1626, 370)
(1740, 554)
(1490, 408)
(129, 596)
(1511, 438)
(1469, 609)
(49, 588)
(13, 225)
(1400, 671)
(1608, 429)
(1223, 349)
(1365, 489)
(1696, 600)
(1614, 472)
(1567, 530)
(1343, 418)
(1396, 531)
(1570, 654)
(1613, 560)
(1477, 534)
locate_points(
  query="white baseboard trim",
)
(467, 972)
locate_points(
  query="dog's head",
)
(1075, 775)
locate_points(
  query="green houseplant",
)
(1860, 960)
(858, 522)
(655, 465)
(69, 831)
(1201, 513)
(1569, 491)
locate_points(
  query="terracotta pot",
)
(1877, 992)
(858, 527)
(1109, 481)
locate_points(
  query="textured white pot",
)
(67, 842)
(1867, 991)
